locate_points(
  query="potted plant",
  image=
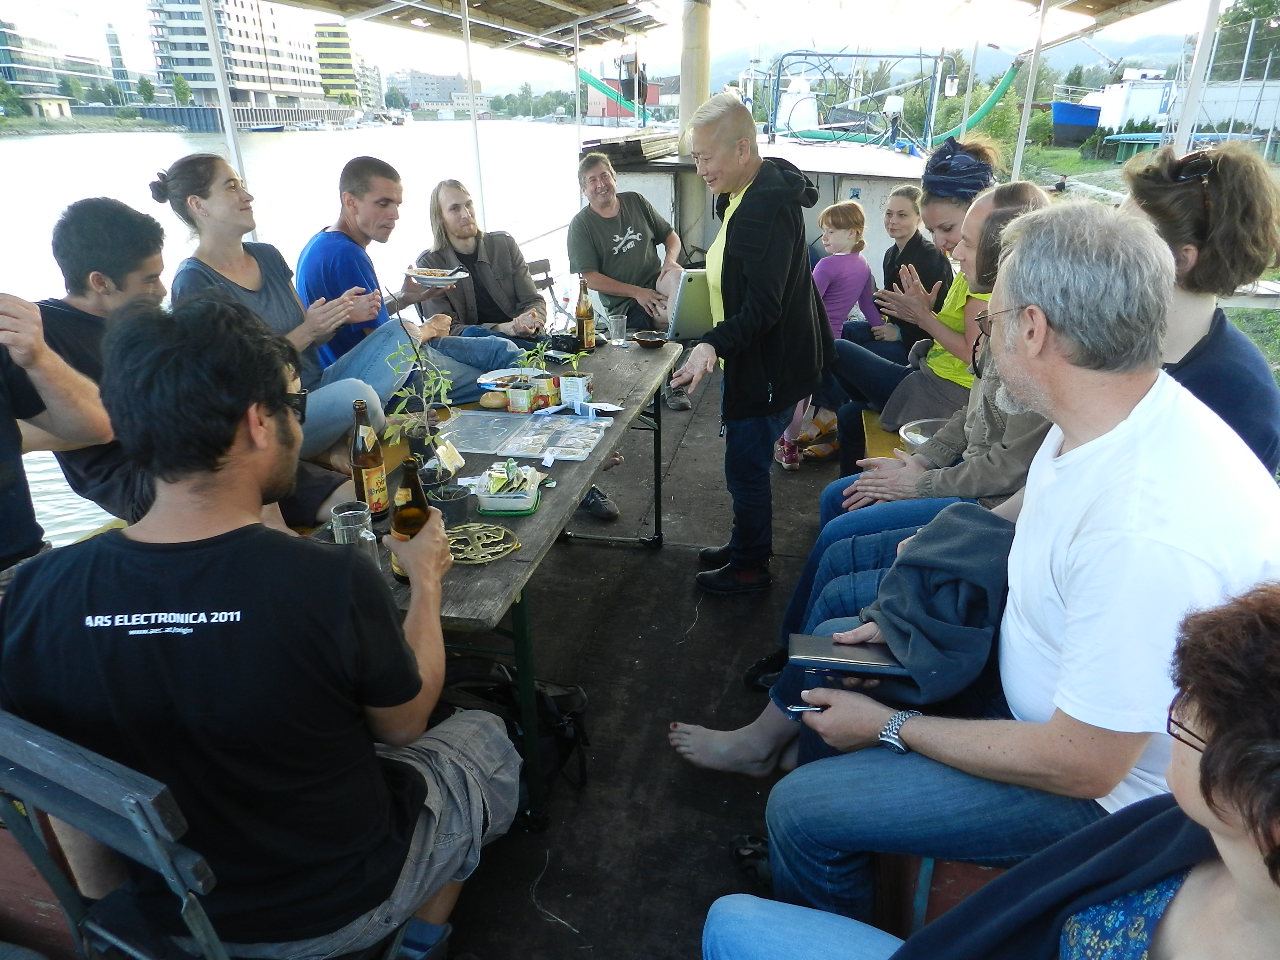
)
(412, 419)
(576, 386)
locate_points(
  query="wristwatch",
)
(889, 735)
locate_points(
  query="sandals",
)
(751, 853)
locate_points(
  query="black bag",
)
(473, 682)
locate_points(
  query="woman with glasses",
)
(954, 175)
(1217, 209)
(1192, 874)
(209, 197)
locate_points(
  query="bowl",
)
(917, 432)
(649, 339)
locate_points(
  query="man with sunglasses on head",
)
(290, 725)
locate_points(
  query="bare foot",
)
(337, 458)
(734, 751)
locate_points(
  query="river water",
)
(530, 189)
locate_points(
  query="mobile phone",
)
(857, 659)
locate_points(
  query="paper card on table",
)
(449, 456)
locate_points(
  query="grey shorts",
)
(473, 783)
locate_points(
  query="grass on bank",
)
(26, 126)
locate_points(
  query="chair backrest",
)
(540, 271)
(129, 812)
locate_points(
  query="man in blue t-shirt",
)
(336, 259)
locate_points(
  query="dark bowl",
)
(649, 339)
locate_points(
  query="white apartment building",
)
(270, 58)
(429, 89)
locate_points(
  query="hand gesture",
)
(434, 326)
(908, 300)
(702, 360)
(887, 479)
(850, 722)
(887, 332)
(651, 301)
(365, 307)
(528, 324)
(22, 331)
(425, 558)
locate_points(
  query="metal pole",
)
(935, 91)
(1244, 68)
(1033, 66)
(1262, 89)
(224, 89)
(577, 83)
(1199, 70)
(471, 104)
(968, 91)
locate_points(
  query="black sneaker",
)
(763, 674)
(598, 504)
(677, 398)
(714, 556)
(730, 579)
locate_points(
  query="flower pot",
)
(520, 396)
(546, 391)
(575, 387)
(452, 500)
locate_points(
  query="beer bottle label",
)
(589, 333)
(374, 481)
(403, 496)
(396, 569)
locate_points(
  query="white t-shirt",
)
(1116, 541)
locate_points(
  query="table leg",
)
(654, 425)
(536, 814)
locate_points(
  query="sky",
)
(737, 25)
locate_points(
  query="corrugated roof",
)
(541, 26)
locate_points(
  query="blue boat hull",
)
(1073, 123)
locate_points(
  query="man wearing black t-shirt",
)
(498, 295)
(266, 679)
(40, 389)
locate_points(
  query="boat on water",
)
(267, 128)
(313, 125)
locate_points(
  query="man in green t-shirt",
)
(613, 243)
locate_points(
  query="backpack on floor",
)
(474, 682)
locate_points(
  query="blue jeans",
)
(479, 330)
(826, 818)
(869, 379)
(890, 515)
(363, 373)
(859, 332)
(748, 460)
(742, 927)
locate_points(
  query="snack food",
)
(493, 400)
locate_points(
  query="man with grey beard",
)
(1115, 542)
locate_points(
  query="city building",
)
(35, 68)
(370, 85)
(427, 91)
(337, 64)
(270, 60)
(119, 73)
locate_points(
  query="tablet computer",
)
(691, 309)
(861, 659)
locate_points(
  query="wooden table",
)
(477, 597)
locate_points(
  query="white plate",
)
(435, 279)
(487, 381)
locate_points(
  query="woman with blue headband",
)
(954, 175)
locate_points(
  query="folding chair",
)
(540, 271)
(42, 773)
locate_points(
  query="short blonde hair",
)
(730, 115)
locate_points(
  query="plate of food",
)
(501, 379)
(436, 277)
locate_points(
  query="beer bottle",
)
(367, 467)
(585, 315)
(409, 515)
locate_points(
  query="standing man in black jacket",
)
(771, 331)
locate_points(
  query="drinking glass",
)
(618, 330)
(353, 525)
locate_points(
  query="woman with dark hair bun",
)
(1192, 874)
(1219, 211)
(208, 196)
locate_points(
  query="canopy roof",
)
(540, 26)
